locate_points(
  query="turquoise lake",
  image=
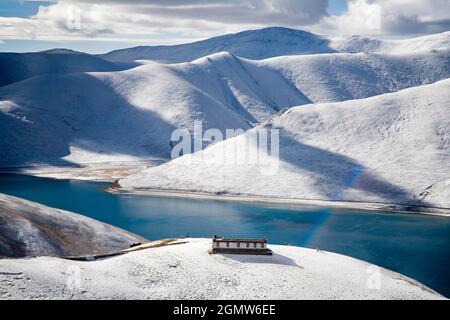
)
(414, 245)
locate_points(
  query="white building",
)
(240, 246)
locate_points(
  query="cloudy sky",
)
(103, 25)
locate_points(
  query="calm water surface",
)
(417, 246)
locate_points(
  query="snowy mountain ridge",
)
(277, 41)
(251, 44)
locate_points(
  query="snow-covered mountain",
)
(20, 66)
(276, 41)
(30, 229)
(74, 117)
(130, 115)
(252, 44)
(393, 148)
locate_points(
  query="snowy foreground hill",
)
(82, 118)
(392, 148)
(187, 271)
(30, 229)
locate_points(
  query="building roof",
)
(240, 240)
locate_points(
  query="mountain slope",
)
(343, 76)
(130, 115)
(31, 229)
(393, 148)
(276, 41)
(428, 43)
(20, 66)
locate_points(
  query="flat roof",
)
(239, 240)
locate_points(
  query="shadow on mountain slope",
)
(335, 174)
(87, 114)
(20, 66)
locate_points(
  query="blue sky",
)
(18, 8)
(99, 26)
(337, 7)
(21, 8)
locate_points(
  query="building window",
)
(248, 245)
(262, 245)
(228, 244)
(238, 244)
(254, 245)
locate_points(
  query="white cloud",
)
(163, 21)
(389, 17)
(139, 19)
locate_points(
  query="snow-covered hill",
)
(30, 229)
(20, 66)
(130, 115)
(187, 271)
(393, 148)
(252, 44)
(276, 41)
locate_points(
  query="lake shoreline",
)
(312, 203)
(91, 172)
(81, 174)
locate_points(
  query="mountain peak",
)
(251, 44)
(61, 51)
(271, 31)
